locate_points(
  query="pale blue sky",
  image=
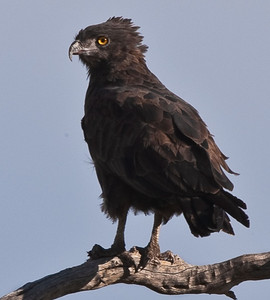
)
(214, 54)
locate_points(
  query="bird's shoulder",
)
(154, 107)
(157, 123)
(174, 126)
(161, 108)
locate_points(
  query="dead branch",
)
(164, 277)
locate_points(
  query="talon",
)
(98, 251)
(148, 254)
(127, 259)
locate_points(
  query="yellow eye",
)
(102, 41)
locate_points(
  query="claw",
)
(147, 256)
(153, 257)
(98, 251)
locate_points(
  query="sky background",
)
(214, 54)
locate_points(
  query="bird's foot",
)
(150, 255)
(98, 251)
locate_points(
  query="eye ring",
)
(102, 40)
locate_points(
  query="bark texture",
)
(162, 277)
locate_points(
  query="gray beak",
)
(75, 48)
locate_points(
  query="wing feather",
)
(179, 141)
(157, 139)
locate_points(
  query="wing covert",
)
(179, 140)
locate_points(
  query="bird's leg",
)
(153, 245)
(119, 240)
(152, 250)
(118, 245)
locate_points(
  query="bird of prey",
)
(151, 150)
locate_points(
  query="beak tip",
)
(73, 49)
(70, 53)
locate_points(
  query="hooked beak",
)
(76, 48)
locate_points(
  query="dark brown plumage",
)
(151, 150)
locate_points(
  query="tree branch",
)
(164, 278)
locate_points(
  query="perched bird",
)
(151, 150)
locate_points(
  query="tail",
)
(208, 213)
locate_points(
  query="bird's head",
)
(113, 44)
